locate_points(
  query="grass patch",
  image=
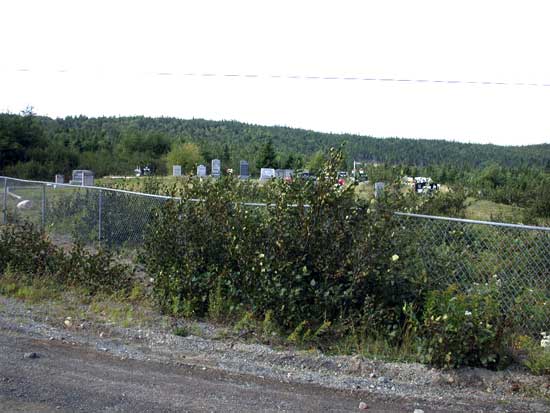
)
(188, 330)
(484, 210)
(33, 292)
(126, 311)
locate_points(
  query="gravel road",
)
(67, 377)
(97, 366)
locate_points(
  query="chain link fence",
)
(514, 257)
(93, 216)
(454, 251)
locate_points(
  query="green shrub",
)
(536, 353)
(27, 252)
(530, 310)
(314, 253)
(463, 328)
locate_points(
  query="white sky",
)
(103, 58)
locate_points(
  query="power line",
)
(321, 78)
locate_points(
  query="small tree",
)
(185, 154)
(268, 157)
(316, 162)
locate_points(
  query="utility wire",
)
(337, 78)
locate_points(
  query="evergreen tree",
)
(267, 157)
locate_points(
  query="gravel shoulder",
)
(94, 364)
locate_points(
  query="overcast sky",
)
(135, 58)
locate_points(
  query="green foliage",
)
(185, 154)
(29, 254)
(530, 309)
(269, 326)
(537, 353)
(267, 157)
(299, 263)
(300, 334)
(316, 162)
(463, 328)
(444, 203)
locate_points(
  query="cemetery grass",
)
(485, 210)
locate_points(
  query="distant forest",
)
(38, 147)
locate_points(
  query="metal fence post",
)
(43, 207)
(100, 207)
(5, 203)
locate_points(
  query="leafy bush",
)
(531, 309)
(536, 353)
(25, 250)
(312, 255)
(463, 328)
(28, 252)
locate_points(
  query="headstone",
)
(201, 171)
(176, 170)
(87, 179)
(284, 173)
(267, 173)
(216, 168)
(378, 188)
(82, 177)
(59, 179)
(243, 170)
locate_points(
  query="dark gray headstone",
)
(244, 172)
(378, 188)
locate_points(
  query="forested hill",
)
(239, 135)
(116, 144)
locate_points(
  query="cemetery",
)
(313, 263)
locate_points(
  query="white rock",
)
(418, 411)
(26, 204)
(363, 406)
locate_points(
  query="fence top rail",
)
(261, 204)
(473, 221)
(97, 188)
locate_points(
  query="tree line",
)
(39, 147)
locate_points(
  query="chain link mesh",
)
(466, 253)
(91, 216)
(453, 251)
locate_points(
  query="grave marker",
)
(267, 173)
(216, 168)
(378, 188)
(243, 170)
(201, 171)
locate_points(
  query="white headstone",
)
(267, 173)
(216, 168)
(176, 170)
(201, 171)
